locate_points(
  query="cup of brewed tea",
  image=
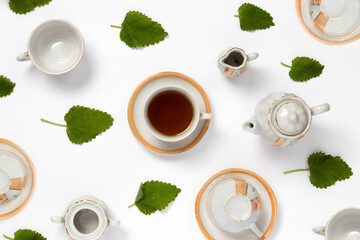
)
(172, 113)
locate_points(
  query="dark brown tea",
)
(170, 113)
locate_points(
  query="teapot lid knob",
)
(291, 118)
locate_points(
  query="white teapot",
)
(282, 118)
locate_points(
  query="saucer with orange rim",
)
(17, 179)
(232, 203)
(136, 117)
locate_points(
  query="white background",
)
(113, 165)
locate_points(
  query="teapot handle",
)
(320, 109)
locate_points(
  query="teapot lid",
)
(291, 118)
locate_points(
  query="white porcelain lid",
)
(16, 179)
(291, 118)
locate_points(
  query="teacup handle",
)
(252, 56)
(113, 222)
(57, 219)
(23, 57)
(320, 109)
(319, 230)
(205, 115)
(256, 230)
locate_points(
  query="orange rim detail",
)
(237, 170)
(131, 113)
(23, 205)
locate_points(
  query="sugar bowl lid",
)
(17, 179)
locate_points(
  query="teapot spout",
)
(251, 126)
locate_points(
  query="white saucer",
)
(136, 113)
(265, 220)
(17, 179)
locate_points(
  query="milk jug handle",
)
(57, 219)
(320, 109)
(319, 230)
(113, 222)
(252, 56)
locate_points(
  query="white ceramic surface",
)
(226, 215)
(343, 225)
(54, 47)
(86, 218)
(197, 115)
(233, 211)
(156, 139)
(232, 61)
(282, 118)
(16, 179)
(331, 20)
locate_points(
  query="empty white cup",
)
(54, 47)
(344, 225)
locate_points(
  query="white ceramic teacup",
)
(344, 225)
(86, 218)
(197, 115)
(234, 206)
(54, 47)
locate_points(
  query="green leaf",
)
(6, 86)
(325, 170)
(138, 30)
(155, 195)
(253, 18)
(303, 69)
(25, 6)
(84, 124)
(25, 234)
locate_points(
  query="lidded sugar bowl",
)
(283, 118)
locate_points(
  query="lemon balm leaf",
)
(6, 86)
(26, 234)
(326, 170)
(155, 195)
(253, 18)
(304, 68)
(138, 30)
(84, 124)
(25, 6)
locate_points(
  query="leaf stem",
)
(236, 16)
(297, 170)
(285, 65)
(132, 205)
(114, 26)
(7, 237)
(56, 124)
